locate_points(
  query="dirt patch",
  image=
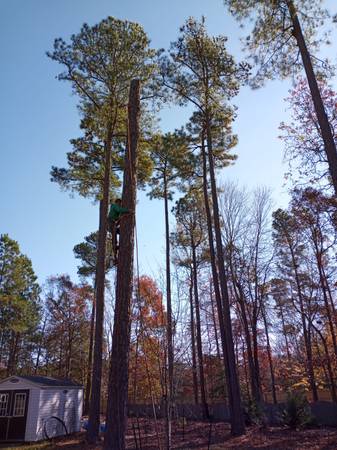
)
(145, 434)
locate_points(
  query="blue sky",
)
(39, 116)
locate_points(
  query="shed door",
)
(13, 414)
(5, 403)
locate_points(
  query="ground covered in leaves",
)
(146, 434)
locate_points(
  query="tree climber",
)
(114, 216)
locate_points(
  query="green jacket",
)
(116, 211)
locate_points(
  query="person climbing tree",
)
(115, 213)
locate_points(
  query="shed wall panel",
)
(50, 405)
(64, 404)
(32, 415)
(73, 409)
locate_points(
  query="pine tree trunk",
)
(215, 326)
(194, 360)
(11, 366)
(95, 399)
(330, 370)
(308, 349)
(306, 332)
(214, 323)
(237, 421)
(89, 368)
(240, 297)
(284, 332)
(329, 143)
(215, 275)
(247, 378)
(331, 300)
(116, 417)
(37, 363)
(169, 332)
(270, 359)
(205, 411)
(324, 283)
(256, 357)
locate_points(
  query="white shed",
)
(36, 407)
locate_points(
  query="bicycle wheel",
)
(54, 426)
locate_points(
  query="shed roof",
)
(45, 381)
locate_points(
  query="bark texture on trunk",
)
(11, 364)
(269, 353)
(215, 275)
(39, 351)
(327, 136)
(205, 411)
(324, 286)
(116, 418)
(169, 331)
(91, 347)
(241, 299)
(95, 398)
(194, 360)
(306, 331)
(330, 378)
(237, 421)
